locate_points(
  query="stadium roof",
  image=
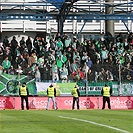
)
(58, 3)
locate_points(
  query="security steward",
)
(76, 94)
(24, 93)
(51, 93)
(106, 93)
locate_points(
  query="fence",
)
(118, 77)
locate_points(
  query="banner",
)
(126, 89)
(9, 86)
(63, 89)
(65, 103)
(42, 88)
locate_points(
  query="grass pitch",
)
(66, 121)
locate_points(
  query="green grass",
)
(41, 121)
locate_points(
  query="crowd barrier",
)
(65, 103)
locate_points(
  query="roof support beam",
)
(64, 11)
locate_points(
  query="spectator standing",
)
(85, 69)
(64, 73)
(29, 45)
(40, 61)
(1, 55)
(64, 37)
(25, 54)
(69, 54)
(1, 70)
(24, 93)
(23, 62)
(6, 64)
(45, 71)
(78, 75)
(37, 74)
(59, 65)
(104, 54)
(31, 60)
(8, 53)
(119, 38)
(106, 93)
(14, 45)
(12, 71)
(67, 42)
(59, 44)
(90, 76)
(130, 37)
(84, 57)
(73, 67)
(112, 55)
(55, 75)
(75, 93)
(126, 44)
(63, 58)
(89, 63)
(51, 93)
(19, 72)
(58, 36)
(5, 42)
(22, 44)
(17, 51)
(16, 62)
(109, 75)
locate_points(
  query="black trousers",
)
(75, 99)
(106, 99)
(22, 102)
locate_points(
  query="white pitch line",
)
(102, 125)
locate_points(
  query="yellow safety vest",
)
(106, 91)
(50, 91)
(74, 92)
(23, 91)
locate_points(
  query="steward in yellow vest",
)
(106, 93)
(51, 93)
(75, 93)
(24, 93)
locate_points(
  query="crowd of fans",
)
(69, 59)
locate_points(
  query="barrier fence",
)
(64, 89)
(65, 103)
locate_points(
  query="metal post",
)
(119, 80)
(14, 107)
(98, 102)
(86, 84)
(82, 28)
(126, 26)
(109, 24)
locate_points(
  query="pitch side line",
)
(94, 123)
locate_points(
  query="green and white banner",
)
(9, 85)
(63, 89)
